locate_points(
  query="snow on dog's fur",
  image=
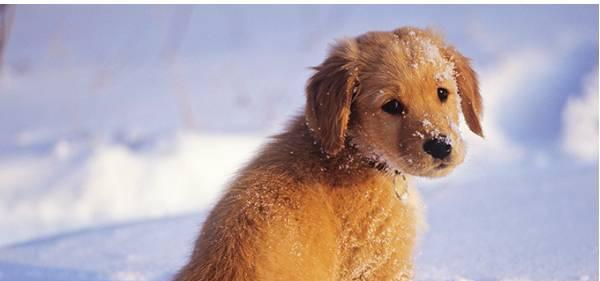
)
(328, 198)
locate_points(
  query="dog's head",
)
(395, 96)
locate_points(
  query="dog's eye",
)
(442, 94)
(393, 107)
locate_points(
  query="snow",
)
(150, 250)
(431, 55)
(580, 121)
(533, 225)
(101, 181)
(419, 134)
(426, 122)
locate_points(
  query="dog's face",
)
(395, 96)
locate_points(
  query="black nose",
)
(438, 147)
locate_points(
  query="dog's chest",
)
(377, 232)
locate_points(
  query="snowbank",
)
(77, 182)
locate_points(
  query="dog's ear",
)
(468, 90)
(329, 96)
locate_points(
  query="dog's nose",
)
(438, 147)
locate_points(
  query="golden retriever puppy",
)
(328, 199)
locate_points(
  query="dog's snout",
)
(438, 147)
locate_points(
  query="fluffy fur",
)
(326, 199)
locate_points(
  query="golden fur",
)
(326, 199)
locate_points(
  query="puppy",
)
(328, 199)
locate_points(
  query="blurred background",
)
(111, 114)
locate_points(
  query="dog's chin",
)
(430, 170)
(439, 170)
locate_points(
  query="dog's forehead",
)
(422, 54)
(407, 53)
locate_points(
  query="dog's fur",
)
(325, 199)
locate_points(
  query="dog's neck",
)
(347, 167)
(398, 178)
(399, 181)
(297, 149)
(383, 167)
(353, 159)
(374, 163)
